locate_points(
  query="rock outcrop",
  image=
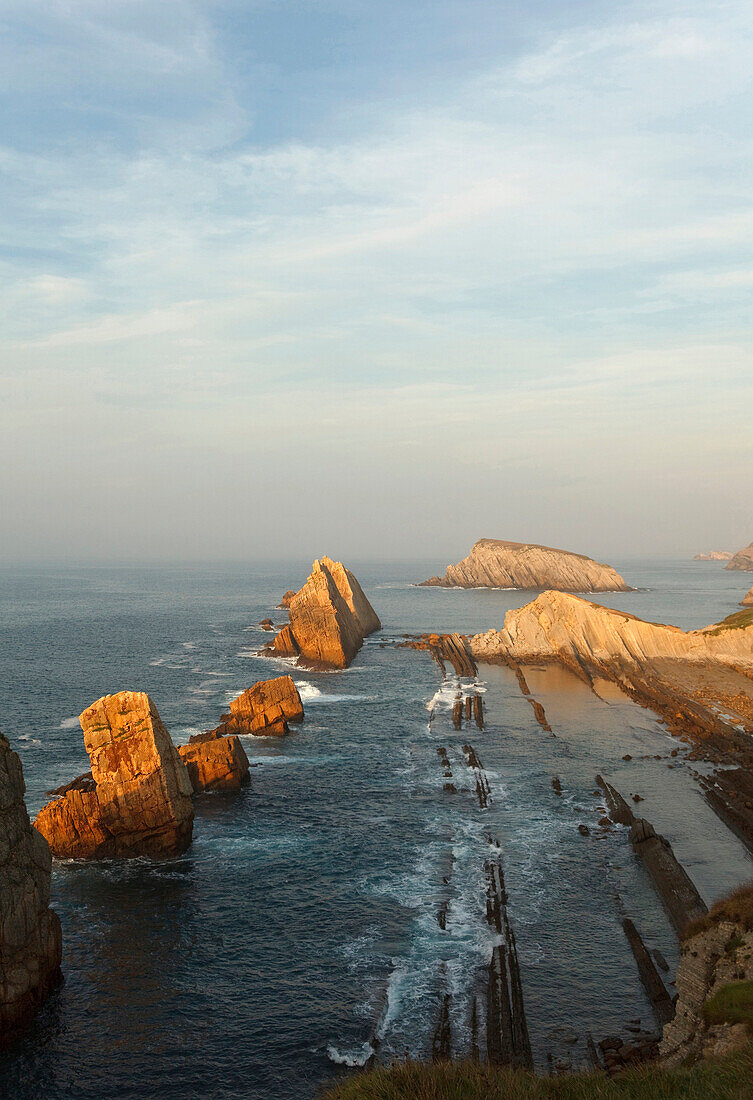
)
(747, 601)
(30, 938)
(215, 764)
(285, 601)
(137, 798)
(742, 561)
(264, 710)
(558, 626)
(714, 555)
(329, 618)
(494, 563)
(718, 953)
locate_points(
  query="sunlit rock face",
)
(30, 937)
(137, 798)
(742, 560)
(494, 563)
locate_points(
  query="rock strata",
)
(216, 764)
(288, 596)
(329, 618)
(30, 938)
(265, 709)
(136, 800)
(742, 560)
(495, 563)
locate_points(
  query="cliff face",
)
(742, 561)
(493, 563)
(30, 939)
(215, 764)
(329, 618)
(137, 798)
(560, 626)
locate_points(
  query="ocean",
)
(299, 934)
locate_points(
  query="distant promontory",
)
(496, 563)
(742, 560)
(714, 555)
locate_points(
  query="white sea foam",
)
(30, 739)
(357, 1057)
(69, 723)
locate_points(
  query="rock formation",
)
(285, 601)
(493, 563)
(747, 601)
(558, 626)
(329, 618)
(30, 938)
(714, 555)
(137, 798)
(264, 709)
(742, 560)
(215, 763)
(719, 951)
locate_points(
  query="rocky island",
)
(329, 618)
(30, 937)
(496, 563)
(742, 561)
(136, 800)
(713, 555)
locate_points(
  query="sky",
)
(374, 278)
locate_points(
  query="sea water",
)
(299, 935)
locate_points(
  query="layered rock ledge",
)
(30, 937)
(742, 561)
(137, 798)
(495, 563)
(329, 618)
(264, 709)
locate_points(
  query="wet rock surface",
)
(30, 935)
(138, 799)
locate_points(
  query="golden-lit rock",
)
(747, 601)
(494, 563)
(742, 561)
(30, 938)
(137, 799)
(219, 764)
(264, 709)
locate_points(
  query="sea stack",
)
(329, 618)
(495, 563)
(30, 938)
(136, 801)
(215, 763)
(742, 561)
(264, 710)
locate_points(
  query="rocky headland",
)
(137, 798)
(742, 561)
(30, 937)
(329, 618)
(747, 600)
(713, 555)
(495, 563)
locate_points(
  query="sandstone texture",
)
(565, 627)
(747, 601)
(264, 709)
(329, 618)
(714, 555)
(742, 560)
(216, 764)
(494, 563)
(716, 956)
(136, 800)
(285, 601)
(30, 939)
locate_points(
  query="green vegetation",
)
(739, 620)
(732, 1004)
(737, 908)
(729, 1078)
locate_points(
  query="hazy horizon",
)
(281, 279)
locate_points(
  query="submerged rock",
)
(30, 937)
(742, 560)
(329, 618)
(263, 709)
(137, 800)
(216, 764)
(496, 563)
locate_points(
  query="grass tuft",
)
(737, 908)
(738, 620)
(732, 1004)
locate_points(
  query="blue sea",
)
(299, 933)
